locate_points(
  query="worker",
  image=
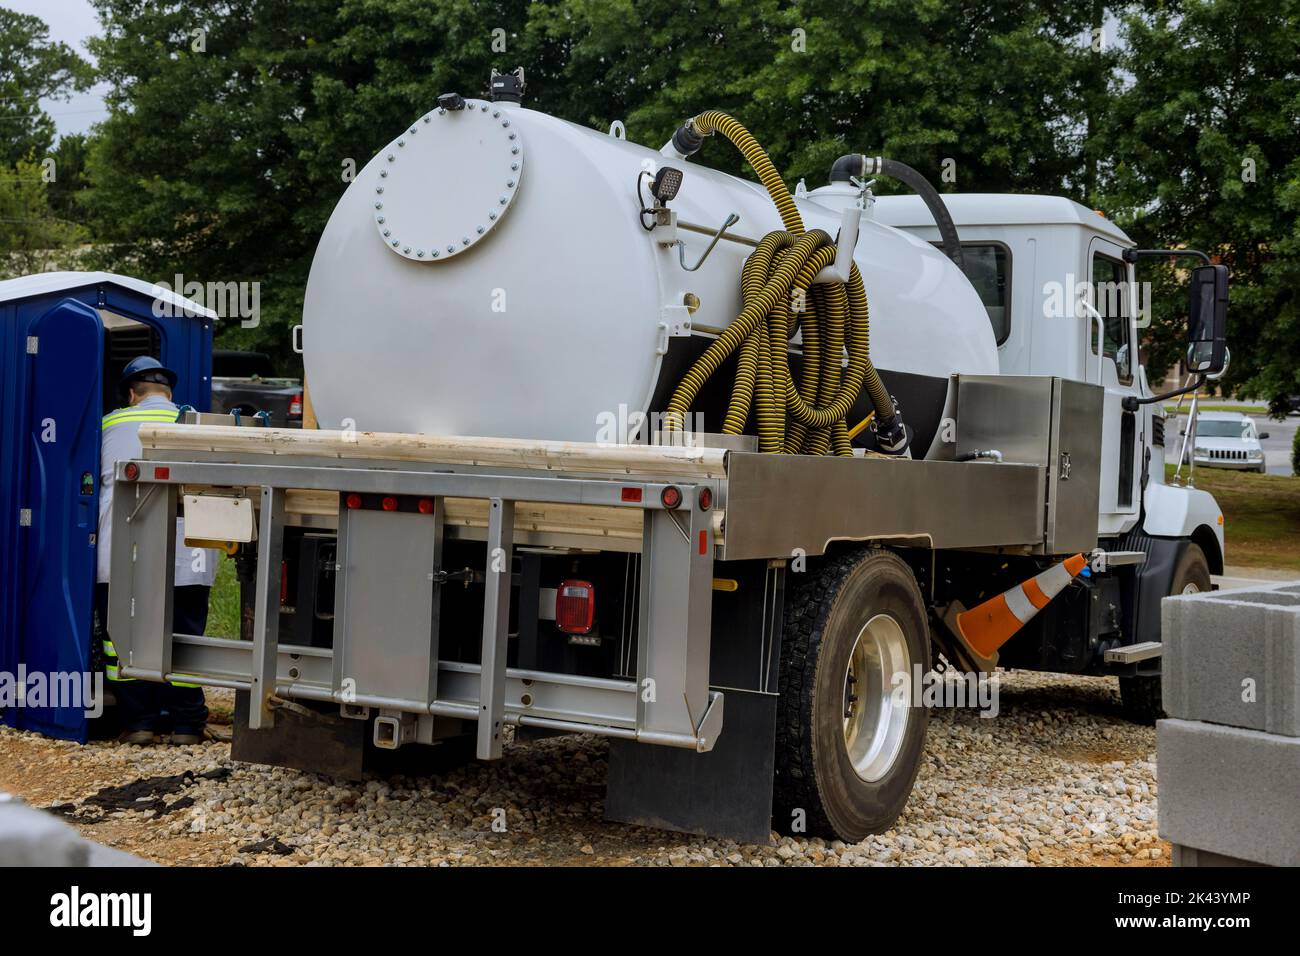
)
(147, 385)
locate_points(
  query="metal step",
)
(1133, 653)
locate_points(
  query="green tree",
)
(69, 174)
(32, 237)
(1207, 145)
(1000, 89)
(32, 69)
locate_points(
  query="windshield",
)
(1221, 429)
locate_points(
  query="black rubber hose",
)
(860, 166)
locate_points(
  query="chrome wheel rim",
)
(875, 723)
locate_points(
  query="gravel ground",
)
(1057, 778)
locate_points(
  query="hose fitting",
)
(686, 140)
(858, 166)
(891, 436)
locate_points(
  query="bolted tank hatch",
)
(445, 183)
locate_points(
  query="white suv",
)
(1228, 440)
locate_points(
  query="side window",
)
(1110, 298)
(988, 267)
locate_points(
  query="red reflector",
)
(426, 506)
(631, 494)
(390, 503)
(354, 501)
(671, 497)
(706, 499)
(284, 583)
(704, 542)
(575, 607)
(132, 471)
(162, 474)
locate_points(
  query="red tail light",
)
(390, 503)
(354, 501)
(295, 405)
(575, 607)
(284, 583)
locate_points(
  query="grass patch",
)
(1261, 516)
(1244, 409)
(223, 604)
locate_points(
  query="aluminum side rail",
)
(386, 636)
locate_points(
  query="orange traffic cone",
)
(985, 628)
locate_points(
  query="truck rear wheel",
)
(847, 752)
(1140, 697)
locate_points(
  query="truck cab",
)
(1063, 300)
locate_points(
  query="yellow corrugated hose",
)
(796, 418)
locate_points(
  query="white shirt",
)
(120, 441)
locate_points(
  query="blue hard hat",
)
(148, 368)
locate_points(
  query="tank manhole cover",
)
(442, 186)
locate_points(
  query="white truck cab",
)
(1063, 300)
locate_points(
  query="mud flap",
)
(725, 793)
(327, 745)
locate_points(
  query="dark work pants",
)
(142, 702)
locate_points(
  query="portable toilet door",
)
(60, 512)
(64, 338)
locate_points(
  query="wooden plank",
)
(581, 458)
(530, 516)
(308, 410)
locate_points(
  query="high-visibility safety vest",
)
(138, 415)
(113, 673)
(111, 663)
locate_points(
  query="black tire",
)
(824, 614)
(1140, 697)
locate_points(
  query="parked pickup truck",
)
(243, 382)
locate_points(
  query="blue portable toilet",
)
(64, 339)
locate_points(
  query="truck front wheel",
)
(848, 744)
(1140, 697)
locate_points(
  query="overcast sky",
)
(70, 22)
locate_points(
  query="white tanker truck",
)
(605, 448)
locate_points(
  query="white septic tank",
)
(488, 273)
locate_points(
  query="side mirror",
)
(1262, 435)
(1207, 324)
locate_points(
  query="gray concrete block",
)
(31, 837)
(1233, 658)
(1229, 791)
(1190, 856)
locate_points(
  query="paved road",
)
(1277, 446)
(1235, 578)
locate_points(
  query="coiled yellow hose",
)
(807, 417)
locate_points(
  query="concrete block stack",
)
(1228, 756)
